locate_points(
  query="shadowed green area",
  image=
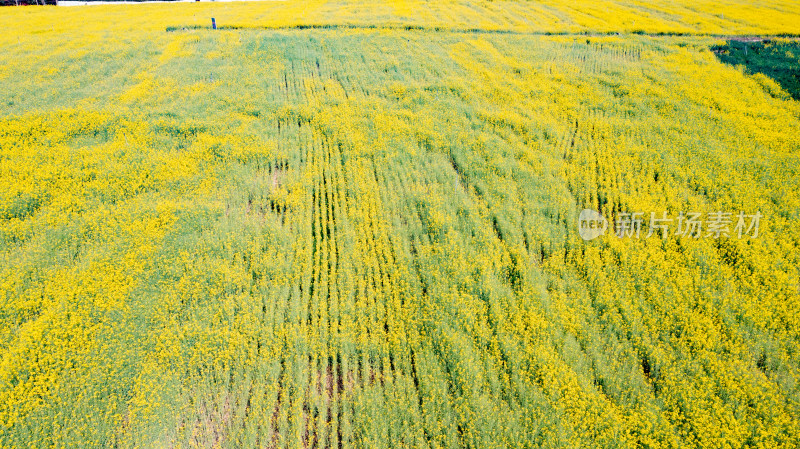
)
(779, 60)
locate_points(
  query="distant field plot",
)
(354, 224)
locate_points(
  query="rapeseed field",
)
(359, 224)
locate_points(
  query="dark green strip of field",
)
(775, 59)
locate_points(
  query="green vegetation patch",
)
(780, 60)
